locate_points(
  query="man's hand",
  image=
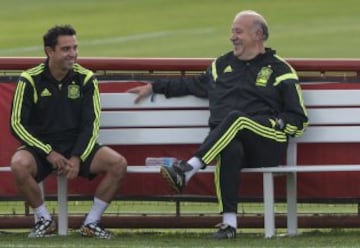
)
(58, 161)
(72, 168)
(141, 91)
(67, 167)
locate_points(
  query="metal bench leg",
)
(291, 192)
(269, 213)
(62, 205)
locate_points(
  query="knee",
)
(234, 116)
(118, 166)
(20, 167)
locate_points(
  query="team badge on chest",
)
(263, 76)
(73, 91)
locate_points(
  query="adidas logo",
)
(228, 69)
(45, 92)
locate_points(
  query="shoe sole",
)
(222, 238)
(46, 235)
(165, 174)
(87, 233)
(50, 233)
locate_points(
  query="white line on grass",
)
(64, 245)
(113, 40)
(67, 245)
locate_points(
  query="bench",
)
(334, 118)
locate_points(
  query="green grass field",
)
(182, 28)
(186, 239)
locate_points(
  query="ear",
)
(48, 51)
(259, 34)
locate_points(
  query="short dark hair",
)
(51, 37)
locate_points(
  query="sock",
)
(230, 219)
(197, 164)
(96, 211)
(41, 211)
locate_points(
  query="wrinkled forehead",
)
(66, 40)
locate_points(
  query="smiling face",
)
(246, 36)
(63, 56)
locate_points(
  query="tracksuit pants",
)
(240, 141)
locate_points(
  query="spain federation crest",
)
(263, 76)
(73, 91)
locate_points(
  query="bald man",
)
(255, 105)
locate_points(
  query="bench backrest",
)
(180, 120)
(334, 118)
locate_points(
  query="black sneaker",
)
(43, 228)
(175, 174)
(95, 230)
(225, 232)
